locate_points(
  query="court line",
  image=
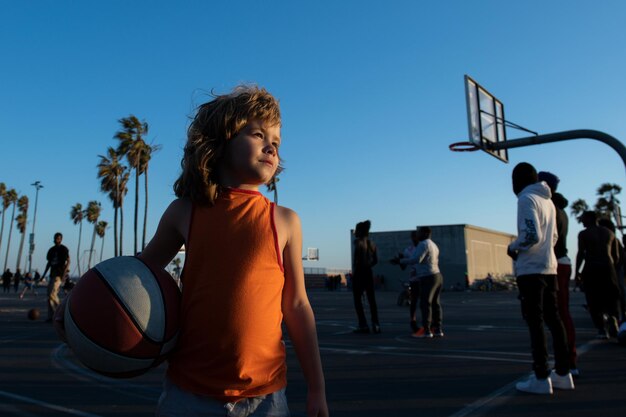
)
(503, 394)
(46, 405)
(414, 354)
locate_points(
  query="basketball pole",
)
(561, 136)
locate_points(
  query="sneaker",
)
(562, 381)
(423, 334)
(418, 333)
(376, 328)
(575, 372)
(437, 332)
(602, 334)
(535, 386)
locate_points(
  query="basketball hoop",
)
(463, 147)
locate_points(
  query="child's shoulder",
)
(179, 211)
(179, 206)
(286, 214)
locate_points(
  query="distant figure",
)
(28, 285)
(598, 248)
(425, 258)
(619, 268)
(536, 272)
(365, 257)
(564, 267)
(58, 258)
(6, 280)
(17, 278)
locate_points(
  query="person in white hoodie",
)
(536, 272)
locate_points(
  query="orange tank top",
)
(230, 343)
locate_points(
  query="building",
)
(467, 253)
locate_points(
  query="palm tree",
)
(101, 228)
(9, 198)
(76, 215)
(607, 203)
(113, 177)
(5, 205)
(578, 207)
(93, 213)
(132, 146)
(146, 155)
(22, 205)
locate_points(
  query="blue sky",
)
(371, 92)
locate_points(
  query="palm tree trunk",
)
(80, 233)
(19, 252)
(93, 242)
(116, 207)
(115, 230)
(2, 230)
(101, 248)
(121, 226)
(145, 209)
(6, 258)
(136, 204)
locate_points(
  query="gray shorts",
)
(175, 402)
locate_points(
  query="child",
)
(28, 285)
(243, 270)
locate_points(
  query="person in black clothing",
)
(6, 280)
(58, 258)
(599, 250)
(564, 266)
(365, 257)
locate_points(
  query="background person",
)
(599, 250)
(365, 257)
(536, 273)
(426, 262)
(564, 267)
(58, 262)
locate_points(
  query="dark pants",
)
(537, 294)
(430, 304)
(415, 293)
(601, 292)
(564, 272)
(363, 281)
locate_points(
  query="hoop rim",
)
(463, 146)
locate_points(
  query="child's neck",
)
(240, 186)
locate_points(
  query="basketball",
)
(122, 317)
(621, 335)
(33, 314)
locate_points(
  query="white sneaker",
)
(562, 382)
(535, 386)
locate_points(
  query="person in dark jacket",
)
(365, 257)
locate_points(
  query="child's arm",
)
(298, 314)
(170, 236)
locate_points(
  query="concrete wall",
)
(486, 253)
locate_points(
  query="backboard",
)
(485, 117)
(313, 254)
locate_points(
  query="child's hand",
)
(316, 405)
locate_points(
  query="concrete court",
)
(469, 372)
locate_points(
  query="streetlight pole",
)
(31, 249)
